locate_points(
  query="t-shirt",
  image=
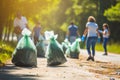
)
(37, 31)
(72, 30)
(106, 35)
(20, 22)
(92, 27)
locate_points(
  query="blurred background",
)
(56, 15)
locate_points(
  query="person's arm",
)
(26, 22)
(104, 32)
(84, 34)
(78, 34)
(85, 31)
(27, 26)
(17, 29)
(98, 33)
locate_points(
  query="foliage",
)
(6, 51)
(57, 14)
(113, 13)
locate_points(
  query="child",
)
(106, 34)
(36, 32)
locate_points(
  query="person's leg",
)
(94, 40)
(72, 39)
(35, 40)
(88, 43)
(105, 40)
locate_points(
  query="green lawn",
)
(112, 48)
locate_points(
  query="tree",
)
(113, 13)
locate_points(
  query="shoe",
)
(88, 58)
(105, 54)
(92, 58)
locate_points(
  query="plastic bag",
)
(40, 47)
(65, 45)
(25, 53)
(55, 54)
(74, 49)
(48, 34)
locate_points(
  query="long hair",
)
(107, 27)
(91, 19)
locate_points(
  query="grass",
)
(6, 50)
(112, 48)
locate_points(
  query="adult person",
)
(20, 22)
(106, 34)
(72, 33)
(36, 32)
(92, 33)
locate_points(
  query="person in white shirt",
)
(106, 34)
(92, 34)
(20, 22)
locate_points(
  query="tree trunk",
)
(1, 31)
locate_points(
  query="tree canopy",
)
(113, 13)
(57, 14)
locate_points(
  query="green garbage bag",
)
(40, 47)
(65, 45)
(25, 53)
(73, 50)
(54, 54)
(68, 51)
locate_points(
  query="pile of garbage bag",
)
(40, 47)
(65, 45)
(25, 54)
(73, 50)
(55, 55)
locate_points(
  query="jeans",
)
(72, 39)
(91, 42)
(105, 40)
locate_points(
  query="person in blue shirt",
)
(92, 35)
(72, 33)
(36, 32)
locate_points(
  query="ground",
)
(104, 68)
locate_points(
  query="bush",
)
(5, 51)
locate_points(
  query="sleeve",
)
(86, 25)
(105, 31)
(25, 20)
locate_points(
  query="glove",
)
(98, 40)
(83, 38)
(100, 31)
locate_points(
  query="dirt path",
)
(74, 69)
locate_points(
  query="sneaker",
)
(105, 54)
(92, 58)
(88, 58)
